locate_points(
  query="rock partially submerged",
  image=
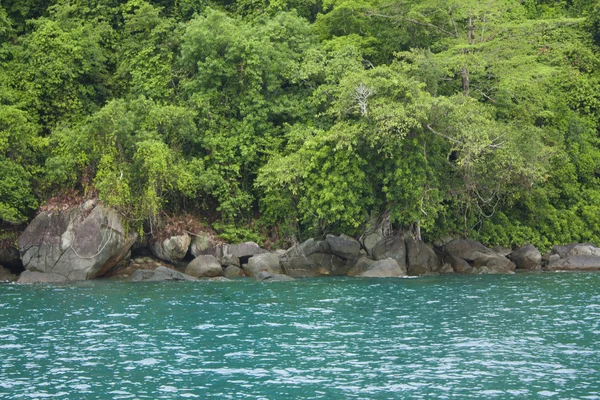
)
(41, 277)
(576, 263)
(387, 268)
(527, 257)
(391, 247)
(422, 259)
(160, 274)
(6, 275)
(264, 276)
(268, 262)
(470, 257)
(80, 243)
(204, 267)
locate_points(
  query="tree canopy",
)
(277, 119)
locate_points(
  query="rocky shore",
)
(89, 242)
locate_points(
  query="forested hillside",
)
(268, 120)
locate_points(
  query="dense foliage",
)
(273, 119)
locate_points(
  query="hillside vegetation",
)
(268, 120)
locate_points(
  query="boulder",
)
(466, 249)
(316, 264)
(230, 259)
(263, 262)
(388, 268)
(204, 267)
(446, 269)
(553, 258)
(421, 258)
(171, 249)
(562, 250)
(79, 243)
(160, 274)
(312, 246)
(370, 240)
(247, 249)
(265, 276)
(343, 246)
(494, 264)
(391, 247)
(576, 263)
(503, 251)
(233, 271)
(6, 275)
(41, 277)
(459, 265)
(526, 257)
(362, 265)
(203, 243)
(583, 250)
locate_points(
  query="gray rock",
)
(459, 265)
(6, 275)
(263, 262)
(466, 249)
(387, 268)
(446, 269)
(343, 246)
(203, 243)
(583, 250)
(265, 276)
(316, 264)
(553, 258)
(526, 257)
(41, 277)
(10, 258)
(563, 250)
(80, 243)
(247, 249)
(494, 264)
(421, 258)
(362, 265)
(230, 259)
(312, 246)
(204, 267)
(172, 249)
(503, 251)
(234, 272)
(391, 247)
(576, 263)
(370, 240)
(160, 274)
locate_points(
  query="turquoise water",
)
(515, 336)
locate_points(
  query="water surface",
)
(491, 336)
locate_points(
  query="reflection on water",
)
(524, 335)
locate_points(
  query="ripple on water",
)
(524, 335)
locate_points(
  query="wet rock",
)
(391, 247)
(526, 257)
(264, 276)
(80, 243)
(362, 265)
(421, 259)
(204, 267)
(387, 268)
(41, 277)
(160, 274)
(343, 246)
(234, 272)
(263, 262)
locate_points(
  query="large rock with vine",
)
(83, 242)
